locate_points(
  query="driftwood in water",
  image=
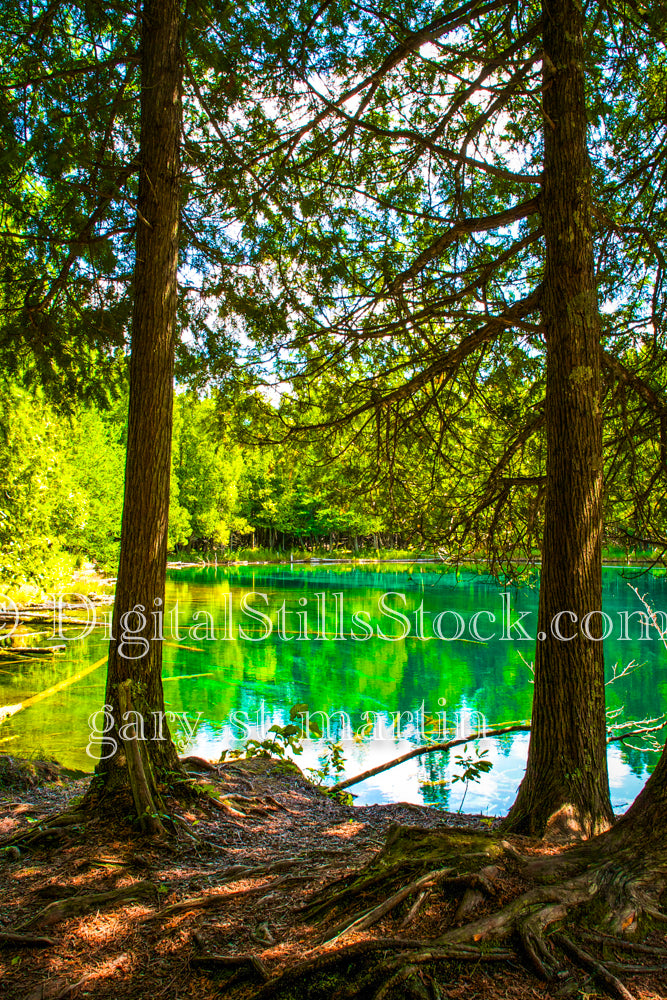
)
(30, 652)
(42, 614)
(430, 748)
(7, 710)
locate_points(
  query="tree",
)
(140, 588)
(88, 177)
(567, 770)
(443, 174)
(207, 466)
(67, 80)
(74, 223)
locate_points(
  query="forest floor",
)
(220, 917)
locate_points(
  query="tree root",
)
(144, 791)
(480, 885)
(338, 893)
(237, 872)
(76, 906)
(628, 969)
(251, 963)
(200, 764)
(328, 960)
(55, 826)
(610, 888)
(411, 853)
(403, 974)
(241, 806)
(415, 908)
(614, 985)
(617, 942)
(431, 955)
(25, 940)
(414, 952)
(58, 989)
(365, 920)
(215, 900)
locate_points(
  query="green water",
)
(311, 657)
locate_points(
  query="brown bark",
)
(566, 775)
(143, 555)
(645, 822)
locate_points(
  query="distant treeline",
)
(62, 489)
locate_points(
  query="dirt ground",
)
(240, 886)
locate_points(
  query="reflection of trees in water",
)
(638, 761)
(356, 677)
(434, 769)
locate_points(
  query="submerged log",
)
(34, 652)
(7, 710)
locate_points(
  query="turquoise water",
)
(238, 686)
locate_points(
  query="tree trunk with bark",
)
(645, 822)
(140, 590)
(566, 779)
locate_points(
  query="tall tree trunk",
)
(645, 822)
(566, 778)
(143, 553)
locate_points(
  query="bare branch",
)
(464, 227)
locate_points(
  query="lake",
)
(305, 639)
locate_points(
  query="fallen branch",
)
(642, 731)
(459, 741)
(431, 748)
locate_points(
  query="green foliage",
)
(473, 769)
(207, 468)
(331, 761)
(61, 490)
(287, 741)
(287, 738)
(392, 409)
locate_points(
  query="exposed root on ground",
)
(159, 812)
(50, 830)
(495, 906)
(62, 909)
